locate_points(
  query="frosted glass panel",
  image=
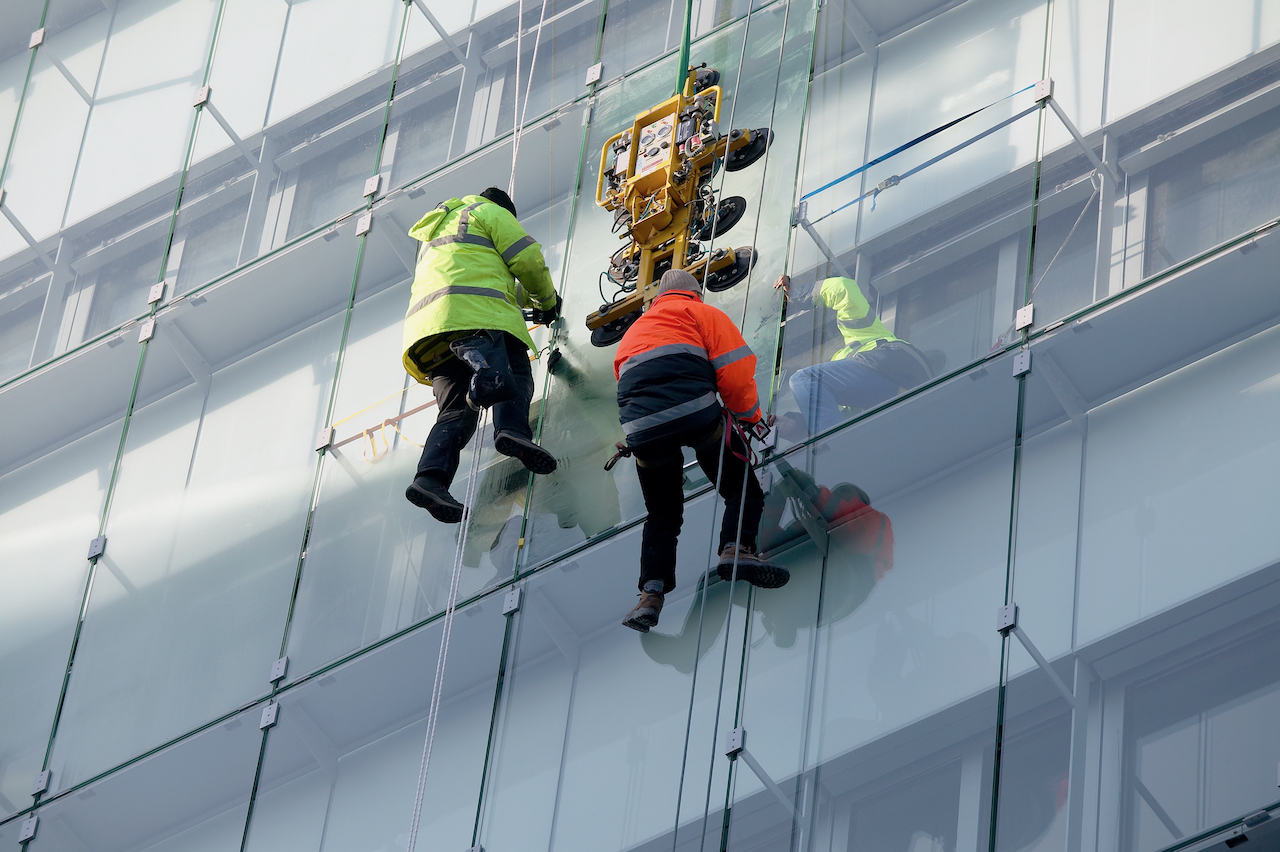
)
(1161, 47)
(55, 465)
(341, 765)
(189, 603)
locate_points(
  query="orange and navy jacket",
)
(672, 362)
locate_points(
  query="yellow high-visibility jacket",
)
(859, 327)
(472, 253)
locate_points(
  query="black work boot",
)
(751, 567)
(645, 614)
(431, 494)
(529, 454)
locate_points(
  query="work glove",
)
(546, 316)
(759, 429)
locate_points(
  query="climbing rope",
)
(433, 714)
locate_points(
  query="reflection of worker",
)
(465, 336)
(669, 366)
(873, 366)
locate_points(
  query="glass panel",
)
(638, 31)
(191, 797)
(22, 303)
(21, 19)
(581, 426)
(1192, 179)
(871, 681)
(944, 284)
(289, 137)
(1154, 631)
(1159, 48)
(605, 737)
(361, 512)
(57, 451)
(207, 523)
(934, 235)
(341, 765)
(97, 212)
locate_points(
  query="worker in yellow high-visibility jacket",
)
(465, 335)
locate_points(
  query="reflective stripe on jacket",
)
(472, 253)
(859, 327)
(673, 361)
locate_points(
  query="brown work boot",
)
(751, 567)
(645, 614)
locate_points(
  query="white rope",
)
(515, 100)
(433, 714)
(523, 112)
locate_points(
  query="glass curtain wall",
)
(1033, 587)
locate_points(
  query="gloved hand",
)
(546, 316)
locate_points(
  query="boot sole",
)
(642, 620)
(445, 513)
(533, 457)
(760, 575)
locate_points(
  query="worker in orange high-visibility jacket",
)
(670, 366)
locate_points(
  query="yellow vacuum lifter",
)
(656, 178)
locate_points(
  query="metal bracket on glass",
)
(364, 224)
(802, 219)
(28, 829)
(269, 714)
(37, 39)
(511, 603)
(41, 783)
(1007, 622)
(1024, 317)
(1021, 363)
(156, 294)
(594, 73)
(97, 546)
(735, 748)
(204, 98)
(324, 439)
(371, 185)
(146, 331)
(278, 668)
(1044, 92)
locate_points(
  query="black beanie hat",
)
(499, 198)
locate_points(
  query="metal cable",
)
(433, 714)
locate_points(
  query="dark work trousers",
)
(456, 422)
(660, 467)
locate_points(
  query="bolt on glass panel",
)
(57, 453)
(189, 604)
(342, 763)
(871, 677)
(192, 796)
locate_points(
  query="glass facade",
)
(1035, 591)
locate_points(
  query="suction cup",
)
(752, 151)
(611, 332)
(722, 279)
(730, 212)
